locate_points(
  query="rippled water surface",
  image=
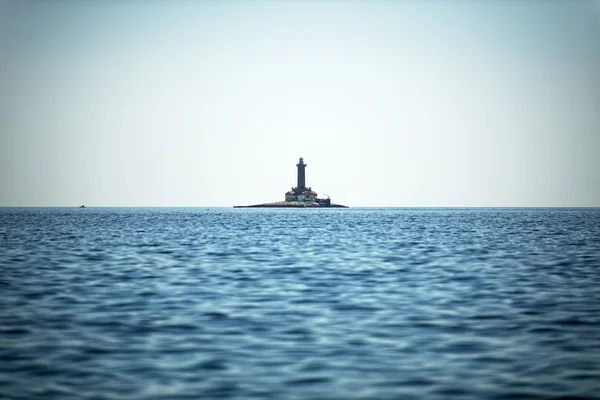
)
(299, 304)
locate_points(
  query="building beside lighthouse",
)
(300, 195)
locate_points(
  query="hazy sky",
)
(211, 103)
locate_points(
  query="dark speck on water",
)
(175, 303)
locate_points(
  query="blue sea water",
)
(176, 303)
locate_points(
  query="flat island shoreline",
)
(293, 204)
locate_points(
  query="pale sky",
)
(211, 103)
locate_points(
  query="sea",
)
(357, 303)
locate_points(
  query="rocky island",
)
(299, 196)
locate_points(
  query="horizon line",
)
(229, 206)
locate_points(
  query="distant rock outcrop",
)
(293, 204)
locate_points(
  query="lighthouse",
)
(301, 192)
(301, 175)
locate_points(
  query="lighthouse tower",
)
(301, 174)
(301, 192)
